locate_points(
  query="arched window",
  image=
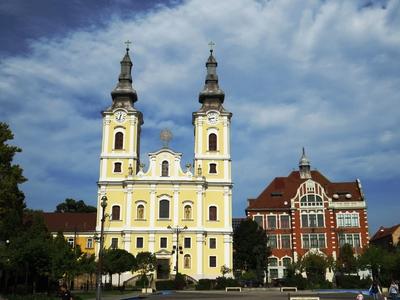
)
(212, 142)
(140, 212)
(119, 140)
(164, 209)
(213, 168)
(311, 200)
(286, 261)
(272, 261)
(212, 213)
(186, 261)
(117, 167)
(188, 212)
(164, 168)
(115, 212)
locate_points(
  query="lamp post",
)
(177, 230)
(99, 265)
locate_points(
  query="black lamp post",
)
(177, 230)
(99, 265)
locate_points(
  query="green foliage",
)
(296, 280)
(225, 270)
(71, 205)
(250, 248)
(315, 265)
(352, 282)
(346, 262)
(143, 281)
(164, 285)
(12, 201)
(118, 261)
(223, 282)
(205, 284)
(146, 262)
(180, 282)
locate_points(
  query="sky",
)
(320, 74)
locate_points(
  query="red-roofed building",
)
(77, 228)
(306, 212)
(387, 237)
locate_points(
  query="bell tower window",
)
(119, 141)
(213, 168)
(117, 167)
(164, 169)
(212, 142)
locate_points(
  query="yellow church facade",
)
(162, 207)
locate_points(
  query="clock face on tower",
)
(212, 117)
(120, 116)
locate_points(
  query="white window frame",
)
(210, 131)
(184, 204)
(290, 240)
(267, 223)
(209, 242)
(122, 167)
(169, 209)
(280, 221)
(262, 216)
(308, 213)
(209, 261)
(141, 202)
(136, 244)
(166, 243)
(341, 218)
(116, 130)
(89, 243)
(216, 167)
(120, 213)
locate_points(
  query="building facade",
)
(164, 208)
(387, 237)
(306, 213)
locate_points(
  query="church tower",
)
(212, 130)
(121, 129)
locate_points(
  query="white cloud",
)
(324, 75)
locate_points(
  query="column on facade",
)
(176, 204)
(200, 244)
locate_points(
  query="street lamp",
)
(177, 230)
(99, 265)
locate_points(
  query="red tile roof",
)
(283, 189)
(384, 232)
(70, 222)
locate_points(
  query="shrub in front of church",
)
(205, 284)
(223, 282)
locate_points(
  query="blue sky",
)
(320, 74)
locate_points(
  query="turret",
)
(124, 95)
(304, 166)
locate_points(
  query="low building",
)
(306, 212)
(386, 237)
(77, 228)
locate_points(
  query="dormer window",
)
(164, 169)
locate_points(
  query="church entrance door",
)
(163, 268)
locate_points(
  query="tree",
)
(12, 201)
(315, 265)
(146, 262)
(225, 270)
(118, 261)
(71, 205)
(250, 248)
(346, 262)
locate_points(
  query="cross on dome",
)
(127, 43)
(211, 44)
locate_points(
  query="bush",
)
(223, 282)
(165, 285)
(205, 284)
(180, 282)
(142, 282)
(296, 280)
(352, 282)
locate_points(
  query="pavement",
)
(244, 295)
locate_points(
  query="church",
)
(182, 215)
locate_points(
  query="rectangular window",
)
(259, 220)
(272, 242)
(213, 243)
(163, 242)
(114, 243)
(285, 241)
(354, 220)
(213, 169)
(117, 167)
(213, 261)
(356, 239)
(353, 239)
(271, 221)
(342, 240)
(347, 220)
(306, 241)
(304, 221)
(313, 241)
(187, 242)
(312, 220)
(285, 222)
(272, 262)
(89, 243)
(273, 273)
(139, 242)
